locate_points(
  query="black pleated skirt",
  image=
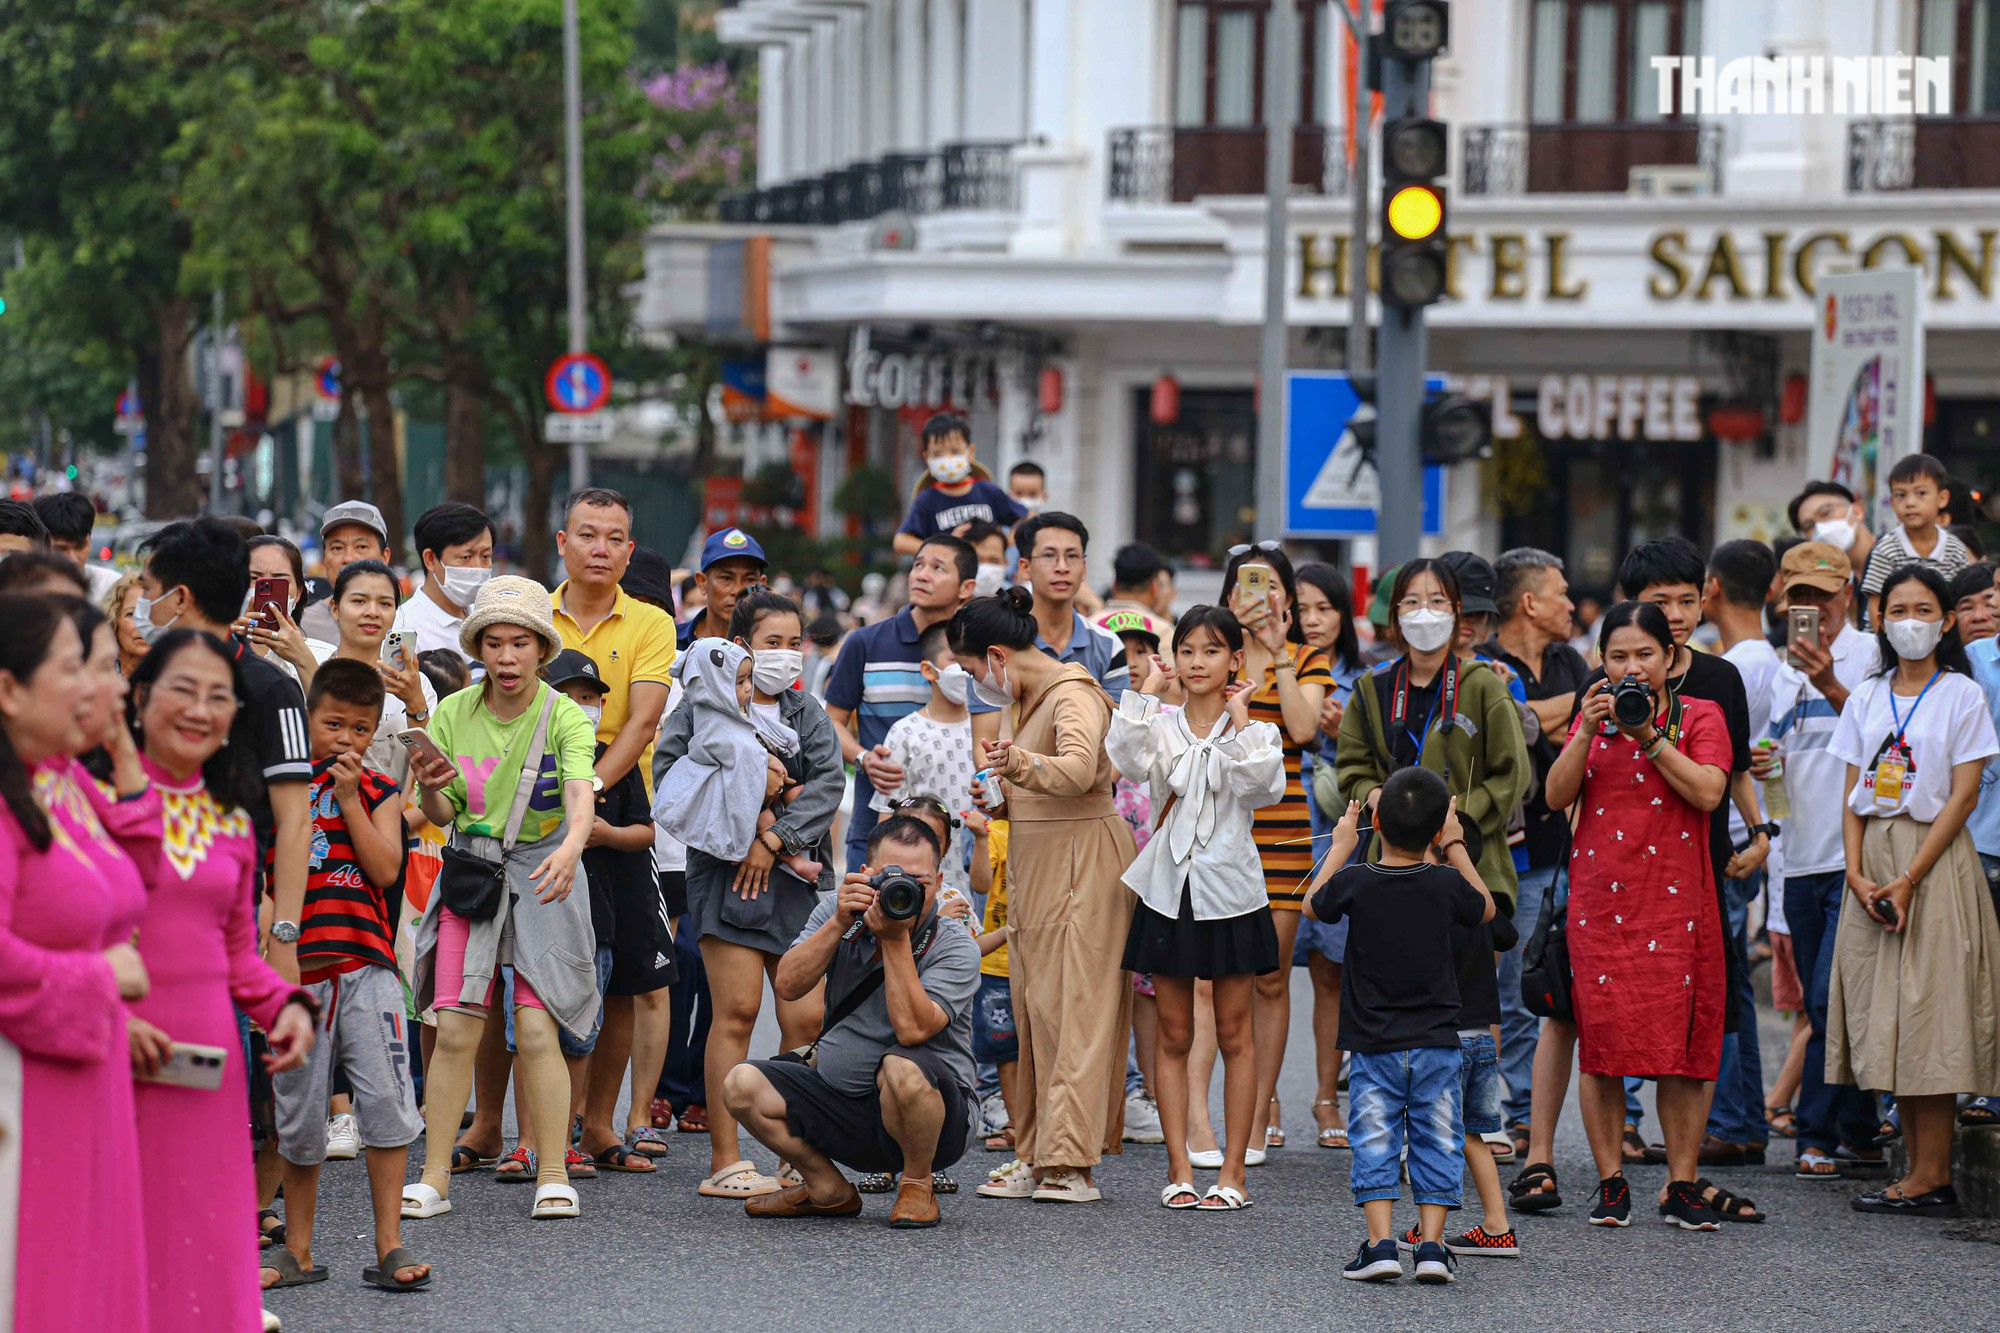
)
(1180, 946)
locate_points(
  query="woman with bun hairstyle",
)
(1068, 909)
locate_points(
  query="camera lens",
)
(899, 894)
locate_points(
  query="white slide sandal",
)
(554, 1201)
(1223, 1199)
(420, 1200)
(1170, 1193)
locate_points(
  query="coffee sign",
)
(1658, 408)
(933, 379)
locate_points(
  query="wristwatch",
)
(285, 932)
(1769, 830)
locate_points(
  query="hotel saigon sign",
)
(1702, 268)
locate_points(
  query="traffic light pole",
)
(1280, 86)
(1403, 345)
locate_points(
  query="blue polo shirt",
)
(1100, 652)
(1984, 821)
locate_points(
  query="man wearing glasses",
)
(1052, 549)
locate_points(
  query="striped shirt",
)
(1098, 651)
(346, 923)
(1283, 832)
(1894, 551)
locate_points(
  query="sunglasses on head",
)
(1266, 546)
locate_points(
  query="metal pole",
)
(579, 335)
(213, 380)
(1399, 384)
(1280, 84)
(1359, 355)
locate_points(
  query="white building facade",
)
(1037, 209)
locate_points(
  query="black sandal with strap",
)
(269, 1236)
(1729, 1207)
(1529, 1196)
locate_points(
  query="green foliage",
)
(869, 494)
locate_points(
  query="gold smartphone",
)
(1253, 586)
(1801, 625)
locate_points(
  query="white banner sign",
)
(801, 382)
(577, 428)
(1867, 404)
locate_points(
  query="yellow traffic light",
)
(1415, 212)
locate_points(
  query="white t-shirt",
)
(434, 627)
(1757, 663)
(1950, 726)
(936, 758)
(101, 578)
(1803, 724)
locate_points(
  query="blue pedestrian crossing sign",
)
(1330, 491)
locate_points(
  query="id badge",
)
(1892, 775)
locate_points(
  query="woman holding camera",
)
(1914, 1004)
(1644, 769)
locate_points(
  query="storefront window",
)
(1197, 477)
(1967, 32)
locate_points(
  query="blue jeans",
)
(1519, 1029)
(994, 1039)
(861, 821)
(571, 1047)
(1830, 1114)
(682, 1080)
(1413, 1097)
(1737, 1113)
(1479, 1083)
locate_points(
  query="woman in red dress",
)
(1645, 944)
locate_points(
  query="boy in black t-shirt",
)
(1400, 1010)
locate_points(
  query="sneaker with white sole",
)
(1374, 1263)
(993, 1115)
(1435, 1263)
(1142, 1120)
(343, 1139)
(1016, 1180)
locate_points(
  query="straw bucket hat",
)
(511, 600)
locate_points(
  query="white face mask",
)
(775, 670)
(1426, 631)
(989, 580)
(952, 683)
(595, 712)
(1915, 639)
(142, 619)
(994, 689)
(461, 584)
(1835, 532)
(1032, 506)
(951, 468)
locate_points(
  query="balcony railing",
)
(1590, 158)
(960, 176)
(1930, 153)
(1175, 164)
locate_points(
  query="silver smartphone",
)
(192, 1066)
(418, 742)
(399, 650)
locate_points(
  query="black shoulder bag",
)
(473, 886)
(854, 999)
(1545, 958)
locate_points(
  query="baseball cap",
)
(729, 544)
(1378, 606)
(1817, 565)
(1134, 620)
(570, 665)
(1476, 582)
(648, 575)
(356, 511)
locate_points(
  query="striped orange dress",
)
(1284, 831)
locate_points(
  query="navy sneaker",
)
(1435, 1263)
(1374, 1263)
(1614, 1203)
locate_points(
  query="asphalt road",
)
(649, 1253)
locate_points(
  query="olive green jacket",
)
(1488, 755)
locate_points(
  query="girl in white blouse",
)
(1203, 910)
(1914, 1005)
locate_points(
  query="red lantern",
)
(1792, 407)
(1166, 404)
(1049, 390)
(1737, 423)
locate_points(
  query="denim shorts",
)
(1479, 1083)
(1408, 1098)
(993, 1038)
(571, 1047)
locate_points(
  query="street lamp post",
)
(579, 335)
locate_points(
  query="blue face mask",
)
(142, 619)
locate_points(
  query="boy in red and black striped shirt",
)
(347, 959)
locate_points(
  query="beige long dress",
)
(1917, 1013)
(1066, 852)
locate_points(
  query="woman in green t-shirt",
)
(542, 926)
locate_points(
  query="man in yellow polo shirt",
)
(631, 642)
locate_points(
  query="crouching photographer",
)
(888, 1085)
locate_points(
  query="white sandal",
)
(554, 1201)
(1172, 1192)
(738, 1180)
(1227, 1199)
(1063, 1184)
(1205, 1159)
(420, 1200)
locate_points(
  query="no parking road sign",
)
(578, 382)
(1330, 491)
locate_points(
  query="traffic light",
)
(1415, 155)
(1455, 429)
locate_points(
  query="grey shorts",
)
(365, 1033)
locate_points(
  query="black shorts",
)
(642, 947)
(850, 1129)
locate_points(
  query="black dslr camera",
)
(1632, 702)
(898, 893)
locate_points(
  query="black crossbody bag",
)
(473, 886)
(854, 999)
